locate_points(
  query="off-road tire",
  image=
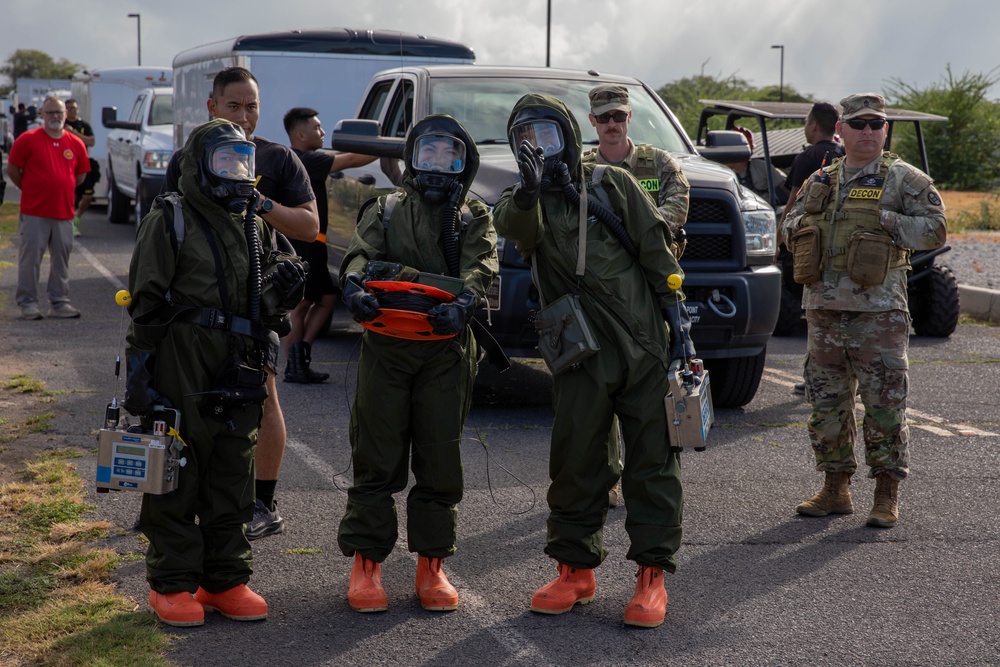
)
(119, 205)
(735, 381)
(934, 303)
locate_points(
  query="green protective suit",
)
(413, 397)
(622, 298)
(216, 485)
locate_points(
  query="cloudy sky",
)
(831, 48)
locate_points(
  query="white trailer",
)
(327, 70)
(112, 87)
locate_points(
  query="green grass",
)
(58, 606)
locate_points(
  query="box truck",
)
(111, 87)
(326, 70)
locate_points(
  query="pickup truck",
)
(138, 151)
(731, 282)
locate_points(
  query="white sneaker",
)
(30, 311)
(64, 311)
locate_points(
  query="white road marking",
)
(96, 263)
(938, 425)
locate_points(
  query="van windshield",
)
(162, 111)
(482, 106)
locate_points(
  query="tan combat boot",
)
(885, 511)
(833, 498)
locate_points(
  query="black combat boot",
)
(296, 369)
(313, 376)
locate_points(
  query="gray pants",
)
(37, 235)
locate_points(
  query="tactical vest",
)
(645, 170)
(859, 213)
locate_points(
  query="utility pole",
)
(781, 86)
(138, 35)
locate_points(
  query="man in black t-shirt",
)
(289, 206)
(820, 128)
(84, 191)
(305, 135)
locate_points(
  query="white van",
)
(111, 87)
(326, 70)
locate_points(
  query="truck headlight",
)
(761, 235)
(156, 159)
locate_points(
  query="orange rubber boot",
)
(238, 603)
(365, 593)
(573, 585)
(433, 588)
(649, 604)
(178, 609)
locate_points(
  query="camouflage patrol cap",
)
(609, 97)
(862, 104)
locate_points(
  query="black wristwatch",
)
(265, 206)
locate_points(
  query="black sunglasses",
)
(875, 124)
(618, 116)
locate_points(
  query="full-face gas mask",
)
(227, 167)
(545, 135)
(437, 162)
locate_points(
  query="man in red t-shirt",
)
(47, 164)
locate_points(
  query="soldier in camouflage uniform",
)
(657, 171)
(859, 327)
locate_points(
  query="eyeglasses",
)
(875, 124)
(618, 116)
(54, 113)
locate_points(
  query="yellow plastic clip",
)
(173, 432)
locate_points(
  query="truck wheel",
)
(141, 209)
(789, 314)
(735, 381)
(118, 204)
(934, 303)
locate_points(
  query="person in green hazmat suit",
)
(626, 300)
(205, 284)
(416, 369)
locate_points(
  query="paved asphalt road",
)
(756, 584)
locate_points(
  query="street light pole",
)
(548, 32)
(781, 86)
(138, 34)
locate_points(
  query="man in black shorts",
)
(305, 136)
(84, 191)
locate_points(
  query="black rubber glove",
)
(448, 319)
(679, 321)
(360, 302)
(529, 166)
(290, 281)
(140, 396)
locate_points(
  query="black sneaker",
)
(265, 522)
(799, 388)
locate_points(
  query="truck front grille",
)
(709, 247)
(710, 228)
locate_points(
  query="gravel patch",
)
(974, 258)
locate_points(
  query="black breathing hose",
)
(254, 252)
(449, 229)
(605, 215)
